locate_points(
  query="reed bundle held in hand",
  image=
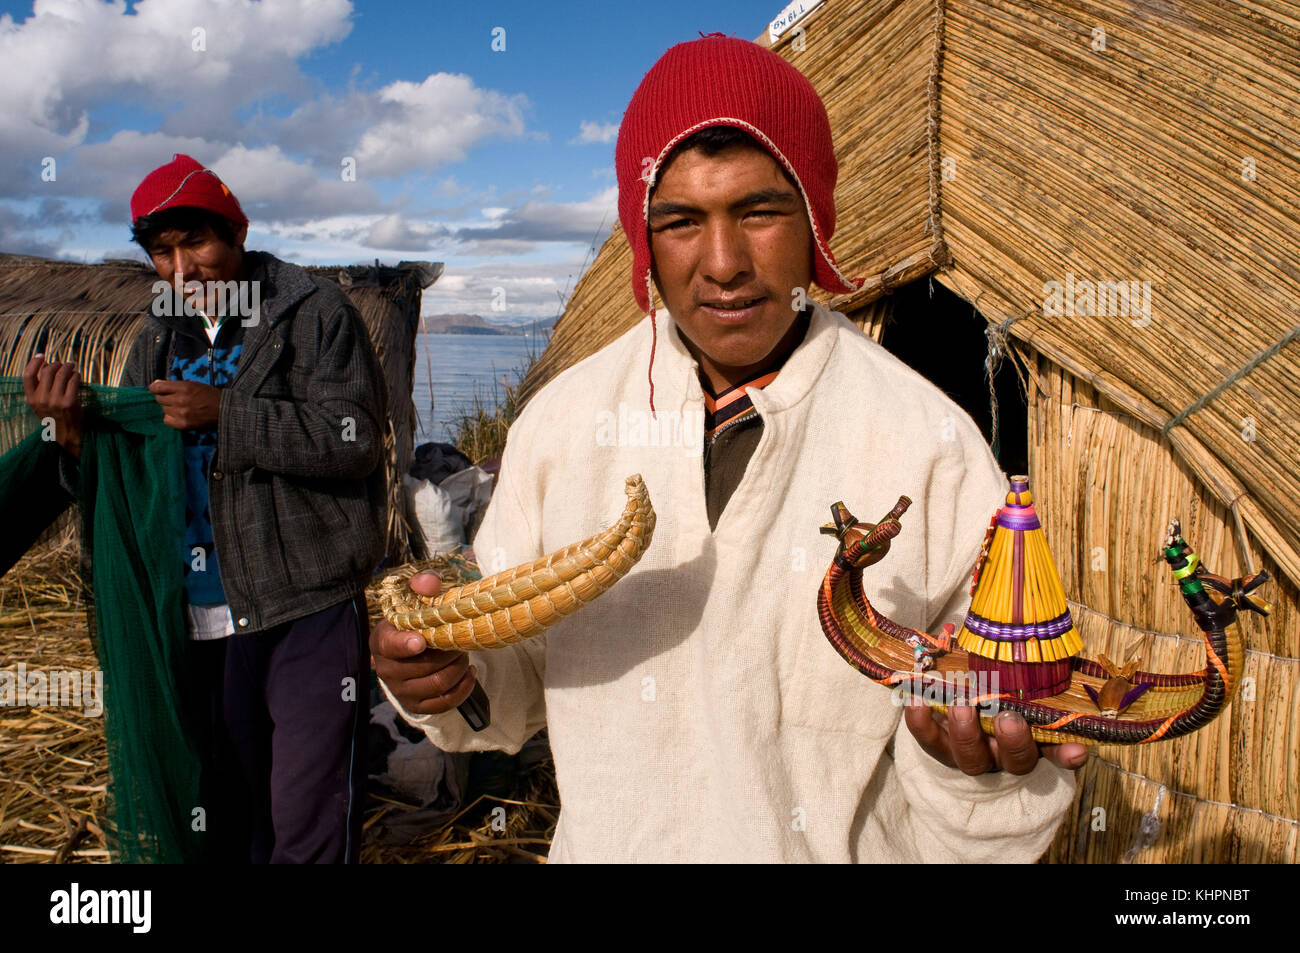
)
(519, 603)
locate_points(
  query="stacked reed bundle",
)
(81, 313)
(389, 302)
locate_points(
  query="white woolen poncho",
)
(696, 711)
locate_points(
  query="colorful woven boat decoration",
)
(1018, 649)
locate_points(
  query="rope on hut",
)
(997, 335)
(1231, 379)
(938, 248)
(1199, 800)
(1148, 831)
(998, 349)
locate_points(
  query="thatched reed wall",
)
(1005, 145)
(1127, 164)
(1106, 487)
(1072, 162)
(91, 314)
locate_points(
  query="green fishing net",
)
(132, 502)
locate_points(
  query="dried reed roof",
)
(1005, 145)
(90, 314)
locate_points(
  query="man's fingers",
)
(1016, 749)
(439, 692)
(387, 642)
(967, 741)
(443, 703)
(63, 387)
(44, 376)
(928, 734)
(446, 675)
(164, 387)
(426, 583)
(425, 681)
(31, 375)
(1070, 756)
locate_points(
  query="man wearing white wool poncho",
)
(696, 712)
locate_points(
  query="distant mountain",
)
(477, 324)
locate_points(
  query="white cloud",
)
(425, 125)
(584, 221)
(111, 170)
(449, 188)
(395, 233)
(596, 132)
(70, 56)
(270, 185)
(273, 186)
(532, 290)
(75, 65)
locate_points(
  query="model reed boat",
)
(1018, 649)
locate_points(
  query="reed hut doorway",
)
(939, 334)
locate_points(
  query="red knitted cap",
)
(725, 81)
(184, 183)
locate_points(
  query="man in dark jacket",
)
(270, 376)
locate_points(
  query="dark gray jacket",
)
(298, 488)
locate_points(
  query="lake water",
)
(459, 364)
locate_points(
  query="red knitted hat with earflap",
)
(183, 182)
(720, 80)
(725, 81)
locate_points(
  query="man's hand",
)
(187, 405)
(425, 681)
(958, 741)
(52, 392)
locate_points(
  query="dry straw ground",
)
(53, 761)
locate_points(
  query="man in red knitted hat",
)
(695, 710)
(270, 376)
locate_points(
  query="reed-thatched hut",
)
(90, 314)
(1112, 187)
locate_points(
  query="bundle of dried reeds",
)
(1124, 199)
(520, 603)
(53, 763)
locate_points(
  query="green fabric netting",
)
(132, 505)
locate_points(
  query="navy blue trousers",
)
(296, 706)
(222, 794)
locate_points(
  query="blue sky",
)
(497, 162)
